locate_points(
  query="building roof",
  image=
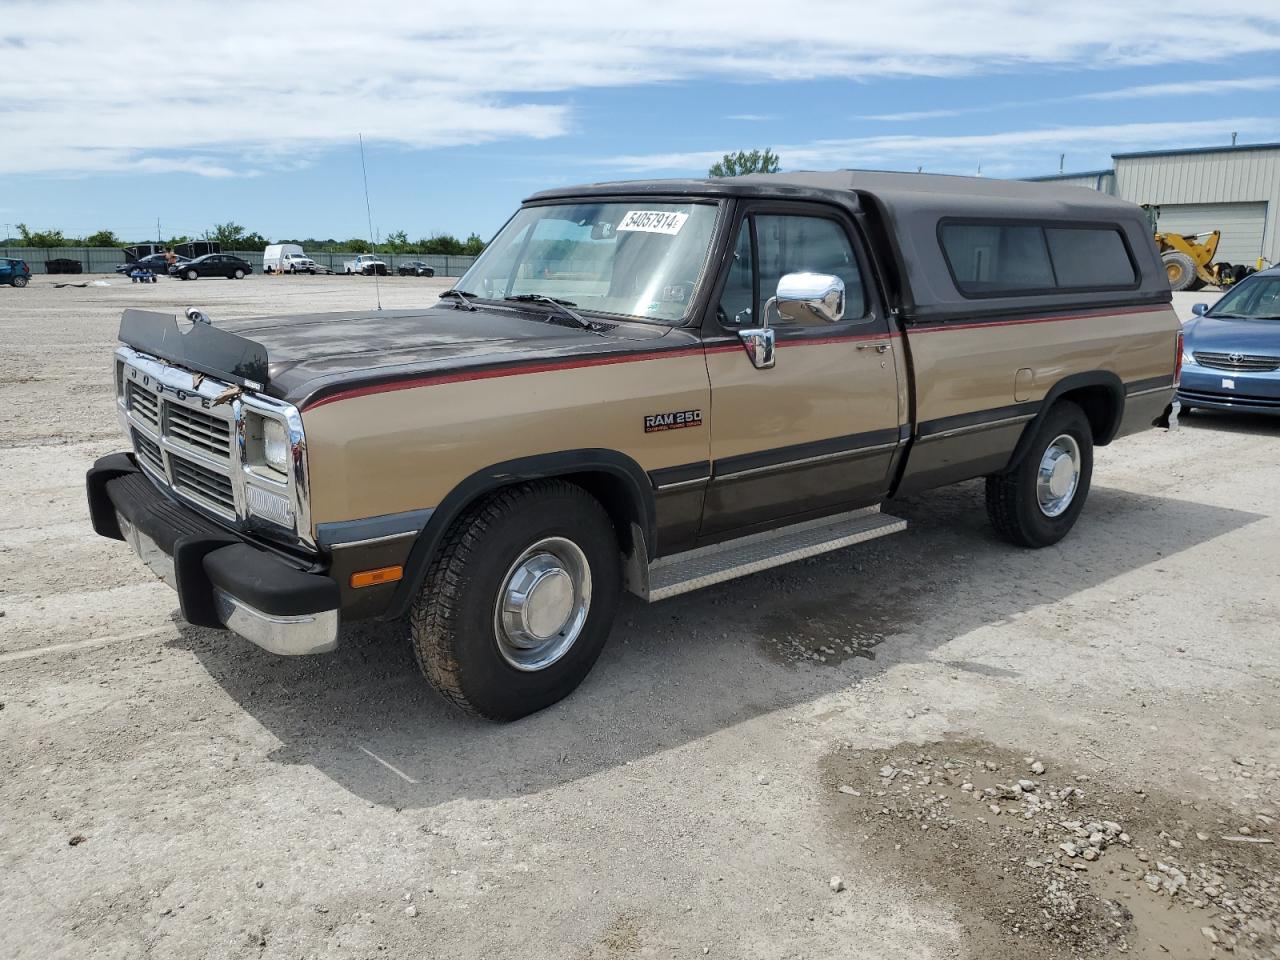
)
(1070, 176)
(1227, 148)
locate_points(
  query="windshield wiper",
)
(461, 296)
(561, 305)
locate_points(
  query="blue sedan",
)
(1231, 351)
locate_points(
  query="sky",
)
(113, 116)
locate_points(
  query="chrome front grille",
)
(142, 404)
(207, 434)
(1239, 362)
(203, 483)
(148, 450)
(206, 453)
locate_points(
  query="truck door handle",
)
(880, 347)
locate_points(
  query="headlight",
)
(267, 446)
(275, 445)
(1187, 358)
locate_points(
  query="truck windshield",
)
(636, 259)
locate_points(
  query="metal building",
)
(1232, 189)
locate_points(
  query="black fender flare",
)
(539, 467)
(1094, 378)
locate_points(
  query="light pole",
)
(8, 229)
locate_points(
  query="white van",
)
(277, 256)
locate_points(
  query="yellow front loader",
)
(1188, 258)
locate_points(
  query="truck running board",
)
(694, 569)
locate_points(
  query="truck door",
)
(819, 430)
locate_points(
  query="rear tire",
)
(19, 281)
(1037, 502)
(1180, 269)
(482, 591)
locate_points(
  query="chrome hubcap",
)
(1059, 475)
(543, 604)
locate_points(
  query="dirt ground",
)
(749, 771)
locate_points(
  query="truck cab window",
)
(788, 244)
(808, 245)
(738, 299)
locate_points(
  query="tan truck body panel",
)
(405, 448)
(971, 366)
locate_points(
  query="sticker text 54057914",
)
(677, 420)
(652, 221)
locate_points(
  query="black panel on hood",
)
(201, 347)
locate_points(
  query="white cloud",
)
(1008, 151)
(910, 116)
(1196, 88)
(211, 87)
(201, 166)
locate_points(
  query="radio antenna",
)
(377, 290)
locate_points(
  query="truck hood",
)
(316, 353)
(1225, 335)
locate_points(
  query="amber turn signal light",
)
(371, 578)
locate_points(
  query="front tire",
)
(1037, 502)
(1180, 269)
(519, 600)
(239, 274)
(191, 274)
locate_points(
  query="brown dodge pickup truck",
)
(649, 386)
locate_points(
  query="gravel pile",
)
(1061, 863)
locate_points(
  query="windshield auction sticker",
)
(652, 221)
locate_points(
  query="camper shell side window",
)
(1004, 258)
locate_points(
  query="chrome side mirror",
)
(806, 297)
(1199, 309)
(759, 343)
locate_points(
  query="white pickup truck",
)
(367, 264)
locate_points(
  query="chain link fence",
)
(106, 259)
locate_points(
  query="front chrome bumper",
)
(295, 635)
(285, 604)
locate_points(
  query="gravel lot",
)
(775, 767)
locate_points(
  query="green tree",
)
(41, 238)
(355, 245)
(396, 242)
(252, 241)
(445, 243)
(103, 238)
(228, 234)
(736, 164)
(474, 246)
